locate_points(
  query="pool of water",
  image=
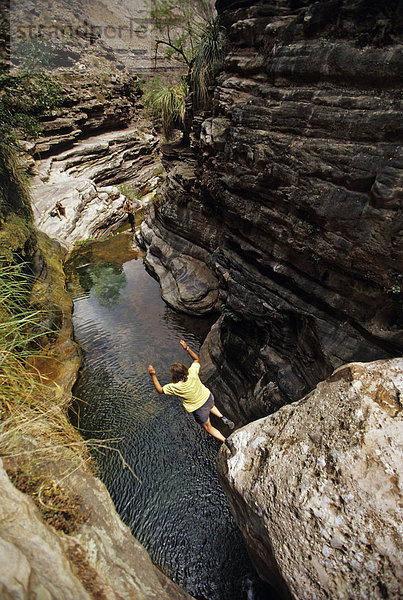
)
(170, 495)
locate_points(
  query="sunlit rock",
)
(101, 558)
(316, 487)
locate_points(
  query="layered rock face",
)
(316, 487)
(94, 142)
(291, 195)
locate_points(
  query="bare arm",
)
(154, 377)
(189, 351)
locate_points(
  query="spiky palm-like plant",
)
(208, 59)
(169, 103)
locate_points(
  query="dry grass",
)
(35, 431)
(32, 415)
(39, 446)
(59, 506)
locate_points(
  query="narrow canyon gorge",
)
(280, 217)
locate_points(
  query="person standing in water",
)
(196, 397)
(128, 208)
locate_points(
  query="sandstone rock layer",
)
(94, 142)
(316, 487)
(292, 196)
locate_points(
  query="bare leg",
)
(216, 412)
(213, 431)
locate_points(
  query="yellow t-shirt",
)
(192, 392)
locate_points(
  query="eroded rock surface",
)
(81, 179)
(90, 145)
(293, 190)
(102, 559)
(186, 282)
(316, 487)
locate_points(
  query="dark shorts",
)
(202, 414)
(130, 216)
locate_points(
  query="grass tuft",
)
(32, 415)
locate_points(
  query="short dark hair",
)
(179, 372)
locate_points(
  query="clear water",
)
(176, 507)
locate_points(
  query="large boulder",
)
(187, 284)
(315, 488)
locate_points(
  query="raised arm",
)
(189, 351)
(156, 383)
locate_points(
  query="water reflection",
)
(179, 511)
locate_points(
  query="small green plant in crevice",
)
(131, 192)
(228, 313)
(395, 287)
(157, 171)
(81, 243)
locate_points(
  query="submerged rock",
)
(316, 487)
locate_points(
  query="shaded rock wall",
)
(315, 488)
(294, 193)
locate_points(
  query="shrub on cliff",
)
(23, 99)
(167, 103)
(208, 59)
(193, 36)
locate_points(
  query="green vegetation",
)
(193, 36)
(228, 314)
(167, 103)
(35, 54)
(35, 430)
(25, 397)
(208, 60)
(157, 171)
(23, 99)
(179, 24)
(129, 191)
(86, 242)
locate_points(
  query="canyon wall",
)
(94, 143)
(285, 212)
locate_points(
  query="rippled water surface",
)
(179, 510)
